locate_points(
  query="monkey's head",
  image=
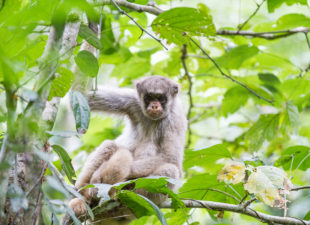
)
(157, 96)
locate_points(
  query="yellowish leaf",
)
(267, 183)
(233, 172)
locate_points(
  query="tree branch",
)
(141, 28)
(136, 7)
(300, 188)
(218, 206)
(251, 16)
(229, 77)
(269, 35)
(189, 93)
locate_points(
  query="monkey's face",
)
(154, 105)
(157, 95)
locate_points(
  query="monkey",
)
(152, 142)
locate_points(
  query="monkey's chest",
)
(144, 149)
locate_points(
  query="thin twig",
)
(308, 41)
(224, 193)
(251, 16)
(244, 197)
(189, 93)
(141, 28)
(229, 77)
(247, 203)
(300, 188)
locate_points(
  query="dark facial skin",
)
(155, 104)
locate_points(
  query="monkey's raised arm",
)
(114, 100)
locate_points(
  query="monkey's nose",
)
(155, 107)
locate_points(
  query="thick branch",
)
(218, 206)
(136, 7)
(269, 35)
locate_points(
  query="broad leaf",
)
(234, 58)
(81, 111)
(133, 68)
(273, 4)
(266, 183)
(269, 78)
(87, 34)
(233, 172)
(265, 128)
(62, 83)
(177, 24)
(234, 98)
(87, 63)
(139, 205)
(295, 157)
(206, 158)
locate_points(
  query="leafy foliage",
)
(239, 146)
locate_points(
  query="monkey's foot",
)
(78, 207)
(93, 193)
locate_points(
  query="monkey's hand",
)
(144, 167)
(78, 207)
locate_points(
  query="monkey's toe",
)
(93, 193)
(78, 207)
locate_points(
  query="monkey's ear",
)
(138, 86)
(175, 89)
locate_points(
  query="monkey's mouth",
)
(154, 114)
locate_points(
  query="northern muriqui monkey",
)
(152, 142)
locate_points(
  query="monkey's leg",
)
(118, 167)
(168, 170)
(93, 162)
(114, 170)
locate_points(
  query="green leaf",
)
(295, 156)
(234, 58)
(178, 24)
(87, 63)
(273, 4)
(291, 21)
(206, 158)
(307, 216)
(140, 205)
(87, 34)
(269, 78)
(81, 111)
(62, 83)
(133, 68)
(296, 90)
(264, 128)
(291, 116)
(201, 182)
(65, 162)
(234, 98)
(158, 212)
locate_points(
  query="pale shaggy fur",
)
(146, 147)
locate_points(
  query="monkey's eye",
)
(148, 98)
(162, 99)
